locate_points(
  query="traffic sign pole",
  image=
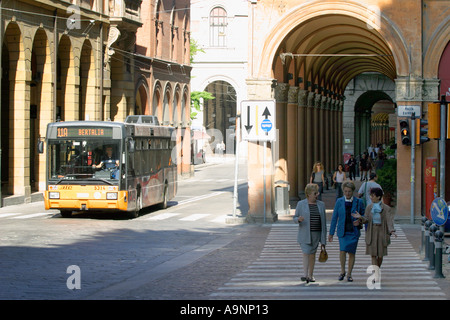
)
(258, 124)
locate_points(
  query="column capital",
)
(332, 104)
(324, 103)
(317, 100)
(281, 92)
(408, 89)
(310, 100)
(293, 95)
(430, 90)
(302, 97)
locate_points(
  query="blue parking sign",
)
(266, 125)
(439, 211)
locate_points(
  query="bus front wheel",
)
(135, 213)
(163, 204)
(66, 213)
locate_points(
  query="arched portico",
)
(304, 60)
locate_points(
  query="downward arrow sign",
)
(248, 127)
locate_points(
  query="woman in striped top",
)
(311, 218)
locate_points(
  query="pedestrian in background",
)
(318, 177)
(364, 190)
(311, 218)
(363, 167)
(339, 177)
(351, 167)
(348, 228)
(380, 227)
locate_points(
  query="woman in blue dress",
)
(348, 228)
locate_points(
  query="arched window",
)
(218, 27)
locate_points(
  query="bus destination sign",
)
(85, 132)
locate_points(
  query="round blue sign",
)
(439, 211)
(266, 125)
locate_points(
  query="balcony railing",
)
(125, 11)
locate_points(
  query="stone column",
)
(309, 152)
(408, 92)
(280, 165)
(71, 97)
(302, 170)
(316, 130)
(322, 133)
(260, 89)
(291, 144)
(19, 157)
(334, 135)
(338, 105)
(327, 134)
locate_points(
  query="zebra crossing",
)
(22, 216)
(158, 217)
(276, 273)
(187, 217)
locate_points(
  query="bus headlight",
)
(111, 195)
(53, 195)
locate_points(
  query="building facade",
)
(163, 71)
(304, 54)
(81, 60)
(220, 29)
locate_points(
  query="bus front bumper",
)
(120, 203)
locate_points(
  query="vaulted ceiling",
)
(330, 50)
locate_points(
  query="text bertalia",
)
(229, 309)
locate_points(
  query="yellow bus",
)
(109, 166)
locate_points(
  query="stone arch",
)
(142, 97)
(87, 93)
(438, 43)
(14, 90)
(166, 107)
(185, 106)
(313, 9)
(67, 96)
(176, 118)
(41, 105)
(363, 108)
(156, 103)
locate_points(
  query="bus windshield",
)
(84, 159)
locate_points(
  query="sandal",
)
(341, 276)
(349, 279)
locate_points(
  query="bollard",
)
(428, 223)
(439, 239)
(433, 229)
(424, 219)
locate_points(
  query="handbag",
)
(323, 257)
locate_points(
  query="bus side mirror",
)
(40, 146)
(131, 146)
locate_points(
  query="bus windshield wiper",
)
(57, 182)
(101, 179)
